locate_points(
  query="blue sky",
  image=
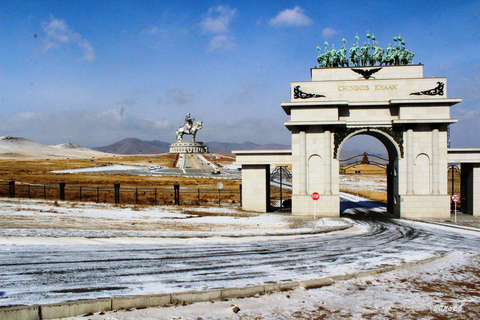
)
(96, 72)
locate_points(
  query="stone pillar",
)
(328, 162)
(256, 187)
(410, 162)
(435, 162)
(303, 162)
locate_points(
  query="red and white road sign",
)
(315, 196)
(455, 198)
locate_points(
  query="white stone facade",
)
(188, 147)
(469, 160)
(408, 113)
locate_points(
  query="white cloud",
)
(246, 129)
(327, 33)
(30, 116)
(58, 33)
(218, 19)
(292, 18)
(221, 42)
(161, 124)
(85, 126)
(152, 30)
(180, 96)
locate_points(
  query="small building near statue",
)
(190, 127)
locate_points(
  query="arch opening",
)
(368, 168)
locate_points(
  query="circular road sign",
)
(315, 196)
(219, 186)
(455, 198)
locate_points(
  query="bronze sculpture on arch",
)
(368, 55)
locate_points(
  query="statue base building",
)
(188, 147)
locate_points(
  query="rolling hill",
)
(137, 146)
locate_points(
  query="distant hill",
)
(137, 146)
(227, 147)
(22, 147)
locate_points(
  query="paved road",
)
(45, 274)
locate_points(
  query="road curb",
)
(446, 225)
(82, 307)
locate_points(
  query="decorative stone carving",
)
(299, 94)
(341, 134)
(438, 90)
(188, 147)
(366, 73)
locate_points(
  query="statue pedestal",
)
(188, 147)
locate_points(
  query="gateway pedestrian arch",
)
(393, 153)
(408, 113)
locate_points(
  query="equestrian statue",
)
(362, 55)
(190, 127)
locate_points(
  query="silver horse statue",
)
(197, 125)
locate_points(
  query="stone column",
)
(410, 162)
(303, 162)
(435, 162)
(328, 162)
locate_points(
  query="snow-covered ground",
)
(444, 289)
(49, 231)
(18, 146)
(112, 168)
(372, 183)
(40, 218)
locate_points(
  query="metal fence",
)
(127, 195)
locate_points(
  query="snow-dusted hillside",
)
(11, 146)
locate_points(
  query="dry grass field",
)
(377, 196)
(96, 187)
(38, 171)
(377, 175)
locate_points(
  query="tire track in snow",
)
(46, 274)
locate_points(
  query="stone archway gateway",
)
(408, 113)
(394, 148)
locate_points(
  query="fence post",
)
(11, 187)
(155, 203)
(240, 187)
(136, 195)
(45, 192)
(62, 190)
(176, 188)
(117, 192)
(80, 190)
(98, 194)
(28, 190)
(198, 196)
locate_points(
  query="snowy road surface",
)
(37, 274)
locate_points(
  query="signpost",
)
(455, 199)
(219, 187)
(315, 197)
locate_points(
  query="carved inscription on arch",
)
(341, 133)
